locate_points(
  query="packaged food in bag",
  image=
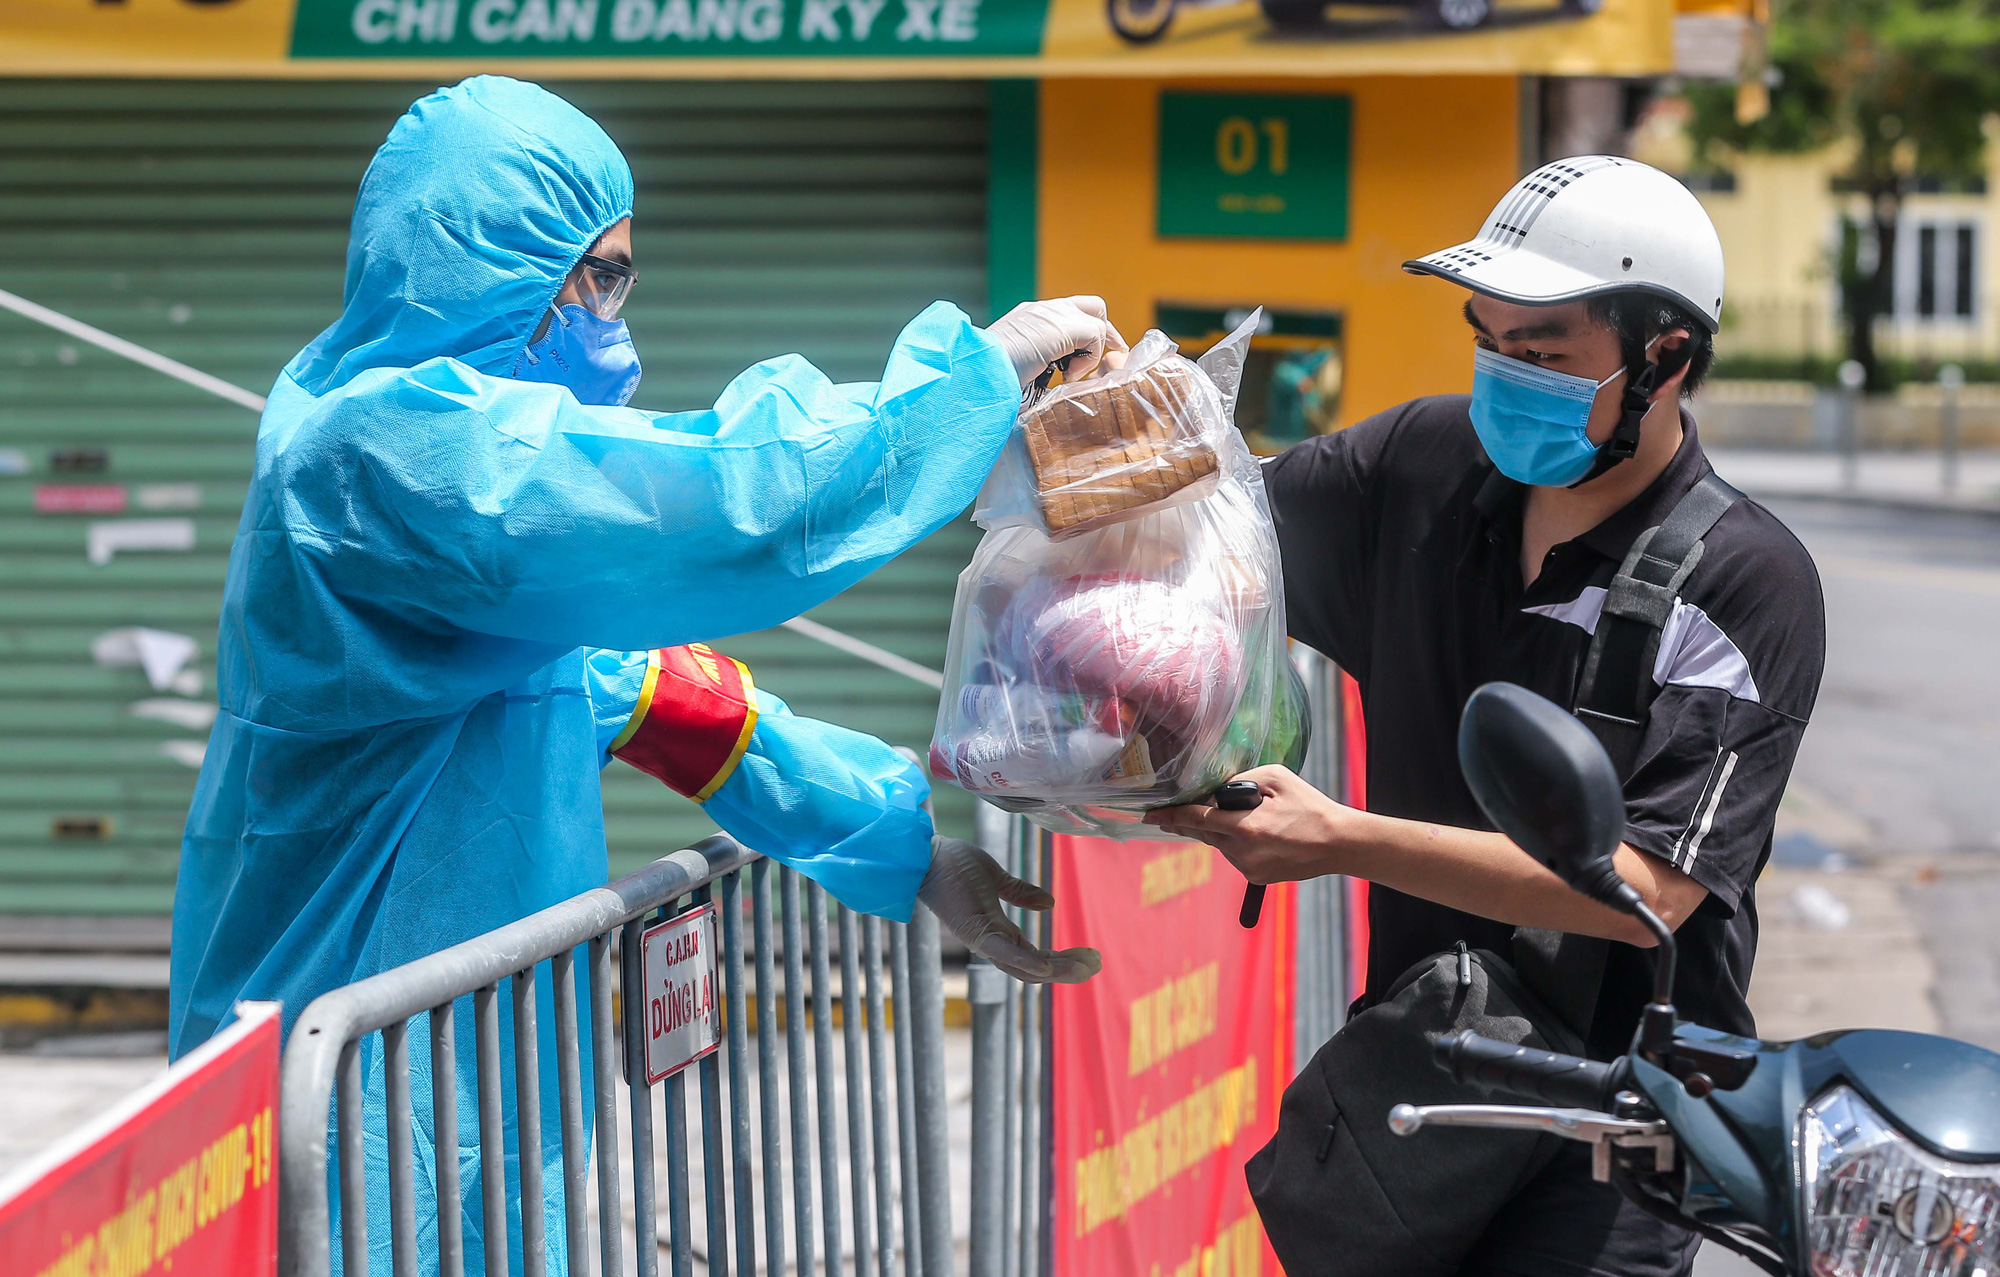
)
(1118, 641)
(1115, 444)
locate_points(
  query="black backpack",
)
(1339, 1194)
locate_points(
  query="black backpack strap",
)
(1614, 695)
(1616, 689)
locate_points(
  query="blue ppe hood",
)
(470, 217)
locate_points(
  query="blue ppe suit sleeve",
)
(841, 807)
(506, 508)
(615, 680)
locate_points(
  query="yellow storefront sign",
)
(854, 38)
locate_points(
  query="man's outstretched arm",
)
(1298, 832)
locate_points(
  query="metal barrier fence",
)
(898, 1200)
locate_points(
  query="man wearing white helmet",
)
(1456, 540)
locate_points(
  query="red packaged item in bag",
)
(1142, 641)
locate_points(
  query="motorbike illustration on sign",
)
(1144, 21)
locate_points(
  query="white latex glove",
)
(1036, 334)
(965, 887)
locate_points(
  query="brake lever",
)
(1243, 795)
(1601, 1131)
(1584, 1125)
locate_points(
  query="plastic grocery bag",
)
(1118, 641)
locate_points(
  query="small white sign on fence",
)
(681, 1006)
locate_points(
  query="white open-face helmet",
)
(1594, 224)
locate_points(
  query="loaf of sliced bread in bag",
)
(1101, 452)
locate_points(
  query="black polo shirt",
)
(1401, 548)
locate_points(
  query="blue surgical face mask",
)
(1531, 420)
(593, 357)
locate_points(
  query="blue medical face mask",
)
(593, 357)
(1532, 421)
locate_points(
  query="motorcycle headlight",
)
(1880, 1206)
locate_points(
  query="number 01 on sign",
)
(1254, 165)
(680, 1005)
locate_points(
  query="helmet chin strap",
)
(1642, 378)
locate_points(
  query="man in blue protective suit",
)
(466, 576)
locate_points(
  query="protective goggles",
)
(602, 286)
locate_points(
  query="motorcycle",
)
(1860, 1153)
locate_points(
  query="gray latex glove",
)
(965, 888)
(1036, 334)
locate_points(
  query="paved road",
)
(1902, 764)
(49, 1098)
(1901, 767)
(1906, 739)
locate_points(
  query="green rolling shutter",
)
(208, 221)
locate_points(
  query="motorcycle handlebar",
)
(1565, 1081)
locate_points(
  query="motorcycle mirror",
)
(1543, 779)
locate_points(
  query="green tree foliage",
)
(1905, 84)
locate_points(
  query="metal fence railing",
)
(887, 1079)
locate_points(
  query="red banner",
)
(1354, 792)
(179, 1178)
(1169, 1064)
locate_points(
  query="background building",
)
(1780, 218)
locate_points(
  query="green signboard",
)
(667, 28)
(1254, 165)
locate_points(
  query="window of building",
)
(1927, 271)
(1961, 293)
(1934, 273)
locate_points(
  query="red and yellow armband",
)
(696, 711)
